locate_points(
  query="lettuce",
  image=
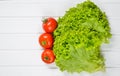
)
(78, 38)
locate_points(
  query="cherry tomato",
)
(49, 25)
(46, 40)
(48, 56)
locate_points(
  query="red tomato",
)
(48, 56)
(49, 25)
(46, 40)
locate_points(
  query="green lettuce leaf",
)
(78, 38)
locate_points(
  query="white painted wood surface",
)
(20, 27)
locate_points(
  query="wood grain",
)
(50, 8)
(33, 25)
(33, 58)
(30, 41)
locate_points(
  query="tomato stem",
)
(43, 42)
(44, 20)
(46, 58)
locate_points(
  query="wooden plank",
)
(21, 25)
(112, 59)
(113, 72)
(32, 9)
(114, 24)
(29, 71)
(27, 58)
(22, 58)
(109, 72)
(30, 42)
(24, 25)
(19, 41)
(51, 1)
(58, 8)
(113, 45)
(33, 58)
(33, 25)
(40, 71)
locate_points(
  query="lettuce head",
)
(78, 38)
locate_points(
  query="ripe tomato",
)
(46, 40)
(48, 56)
(49, 25)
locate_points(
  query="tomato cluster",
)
(46, 40)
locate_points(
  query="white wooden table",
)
(20, 27)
